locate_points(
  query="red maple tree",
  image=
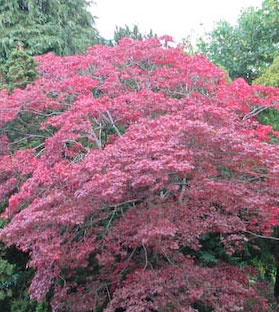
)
(152, 150)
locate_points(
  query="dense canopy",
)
(138, 155)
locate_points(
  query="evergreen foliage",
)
(133, 33)
(62, 26)
(18, 71)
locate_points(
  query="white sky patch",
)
(178, 18)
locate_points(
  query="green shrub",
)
(18, 71)
(271, 76)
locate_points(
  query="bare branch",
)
(146, 257)
(29, 136)
(254, 112)
(131, 201)
(113, 124)
(262, 236)
(97, 141)
(183, 187)
(40, 152)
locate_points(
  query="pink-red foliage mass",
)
(152, 149)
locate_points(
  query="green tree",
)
(39, 26)
(247, 48)
(133, 33)
(270, 78)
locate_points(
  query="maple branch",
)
(131, 201)
(146, 257)
(129, 258)
(38, 146)
(100, 134)
(113, 124)
(40, 113)
(262, 236)
(108, 292)
(167, 257)
(64, 281)
(40, 152)
(183, 187)
(181, 93)
(254, 112)
(97, 141)
(164, 195)
(110, 220)
(29, 136)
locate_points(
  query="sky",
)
(178, 18)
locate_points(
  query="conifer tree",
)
(133, 33)
(39, 26)
(18, 70)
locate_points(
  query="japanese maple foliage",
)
(152, 150)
